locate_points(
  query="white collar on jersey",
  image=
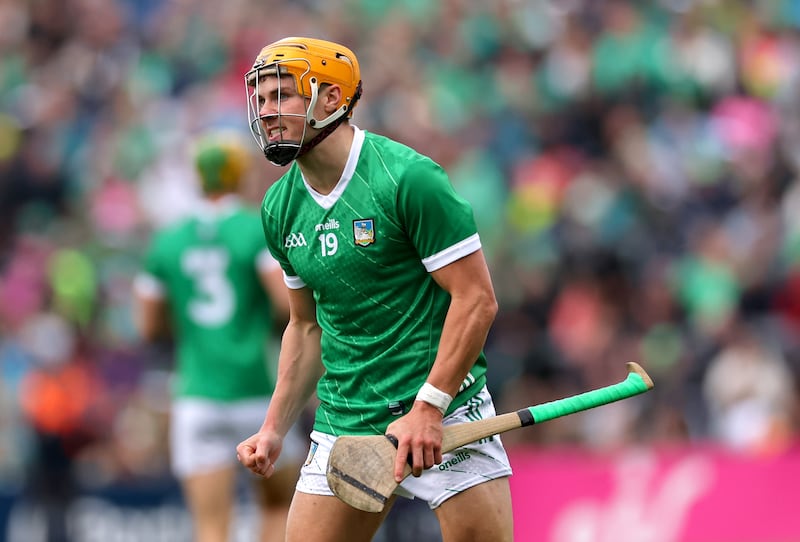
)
(326, 201)
(209, 210)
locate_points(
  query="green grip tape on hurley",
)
(633, 385)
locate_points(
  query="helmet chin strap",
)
(282, 154)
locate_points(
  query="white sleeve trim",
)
(293, 283)
(449, 255)
(265, 261)
(148, 286)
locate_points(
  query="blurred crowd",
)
(634, 169)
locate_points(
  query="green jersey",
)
(366, 250)
(206, 268)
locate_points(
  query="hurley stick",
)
(361, 468)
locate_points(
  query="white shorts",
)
(460, 469)
(204, 433)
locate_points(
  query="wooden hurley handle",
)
(457, 435)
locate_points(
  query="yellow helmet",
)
(221, 160)
(311, 63)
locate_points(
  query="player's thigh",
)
(210, 494)
(480, 513)
(277, 490)
(324, 518)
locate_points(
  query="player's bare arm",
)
(299, 369)
(472, 310)
(151, 317)
(272, 281)
(299, 365)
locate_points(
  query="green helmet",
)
(221, 160)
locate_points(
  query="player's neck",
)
(322, 167)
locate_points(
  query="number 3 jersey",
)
(366, 250)
(206, 269)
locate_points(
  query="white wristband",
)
(435, 397)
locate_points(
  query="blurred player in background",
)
(390, 303)
(210, 280)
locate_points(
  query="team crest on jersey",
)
(364, 231)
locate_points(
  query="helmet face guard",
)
(282, 151)
(311, 64)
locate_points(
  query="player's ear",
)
(331, 98)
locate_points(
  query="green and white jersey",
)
(366, 251)
(206, 269)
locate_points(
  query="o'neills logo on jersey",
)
(294, 240)
(460, 457)
(364, 231)
(331, 224)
